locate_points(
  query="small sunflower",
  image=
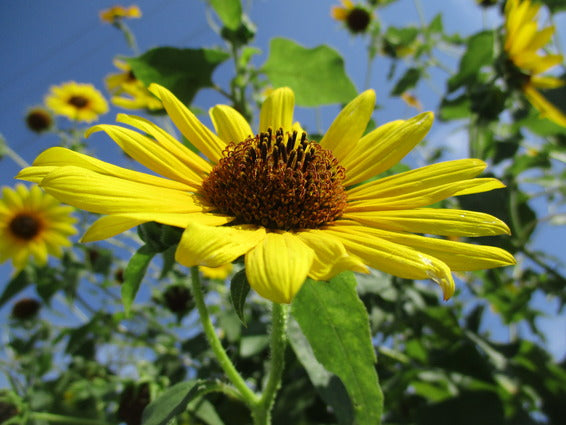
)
(129, 92)
(78, 102)
(117, 12)
(291, 206)
(523, 41)
(32, 224)
(38, 119)
(355, 17)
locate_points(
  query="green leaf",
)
(17, 284)
(183, 71)
(175, 399)
(409, 79)
(335, 322)
(329, 387)
(134, 273)
(479, 53)
(454, 109)
(555, 5)
(229, 11)
(436, 24)
(316, 75)
(239, 289)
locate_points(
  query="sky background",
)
(44, 43)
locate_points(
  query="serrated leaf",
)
(17, 284)
(317, 75)
(183, 71)
(239, 289)
(229, 11)
(133, 275)
(175, 400)
(335, 322)
(479, 53)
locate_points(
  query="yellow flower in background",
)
(32, 224)
(129, 92)
(219, 273)
(292, 207)
(120, 12)
(78, 102)
(523, 41)
(355, 17)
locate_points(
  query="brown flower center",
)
(25, 226)
(78, 101)
(358, 19)
(277, 181)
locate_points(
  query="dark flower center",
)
(358, 19)
(38, 120)
(78, 101)
(277, 181)
(25, 226)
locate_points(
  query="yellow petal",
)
(189, 125)
(349, 126)
(330, 256)
(278, 266)
(57, 157)
(546, 109)
(214, 246)
(546, 82)
(393, 258)
(277, 110)
(151, 154)
(384, 147)
(230, 125)
(184, 154)
(435, 221)
(103, 194)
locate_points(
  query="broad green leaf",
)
(329, 387)
(239, 289)
(316, 75)
(436, 24)
(479, 53)
(409, 79)
(17, 284)
(454, 109)
(183, 71)
(175, 399)
(229, 11)
(133, 275)
(205, 411)
(335, 322)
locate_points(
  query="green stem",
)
(226, 364)
(262, 412)
(50, 417)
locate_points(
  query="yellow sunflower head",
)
(355, 17)
(115, 13)
(33, 225)
(78, 102)
(129, 92)
(523, 46)
(292, 207)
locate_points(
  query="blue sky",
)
(45, 43)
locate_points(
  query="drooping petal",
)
(278, 266)
(435, 221)
(330, 256)
(189, 125)
(349, 126)
(113, 195)
(393, 258)
(546, 109)
(214, 246)
(384, 147)
(149, 153)
(168, 142)
(58, 157)
(230, 125)
(459, 256)
(277, 110)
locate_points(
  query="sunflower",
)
(292, 207)
(116, 13)
(355, 17)
(32, 224)
(78, 102)
(129, 92)
(523, 41)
